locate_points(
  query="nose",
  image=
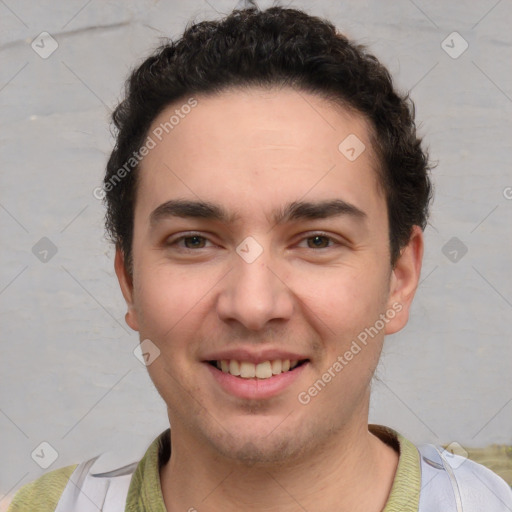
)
(254, 294)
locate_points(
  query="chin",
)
(261, 442)
(261, 452)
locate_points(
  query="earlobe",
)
(404, 281)
(126, 284)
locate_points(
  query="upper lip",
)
(254, 356)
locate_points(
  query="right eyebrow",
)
(186, 208)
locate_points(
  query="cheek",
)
(167, 297)
(171, 308)
(344, 298)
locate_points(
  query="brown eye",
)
(194, 242)
(318, 242)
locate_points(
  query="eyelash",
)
(332, 240)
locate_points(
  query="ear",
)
(126, 284)
(404, 281)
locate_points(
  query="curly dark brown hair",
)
(276, 47)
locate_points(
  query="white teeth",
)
(247, 370)
(277, 366)
(234, 367)
(264, 370)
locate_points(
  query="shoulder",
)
(481, 486)
(42, 494)
(104, 478)
(475, 487)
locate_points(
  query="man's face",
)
(296, 268)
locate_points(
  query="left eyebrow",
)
(307, 210)
(297, 210)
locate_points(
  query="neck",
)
(353, 471)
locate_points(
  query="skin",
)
(253, 152)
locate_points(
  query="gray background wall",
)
(68, 373)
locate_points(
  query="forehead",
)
(259, 145)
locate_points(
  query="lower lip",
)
(256, 389)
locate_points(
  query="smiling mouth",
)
(263, 370)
